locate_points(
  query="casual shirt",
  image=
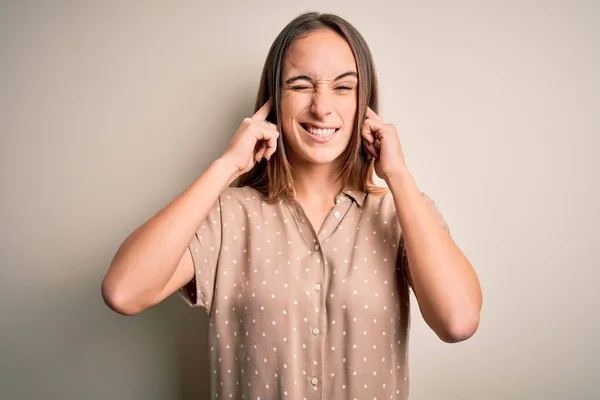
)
(299, 314)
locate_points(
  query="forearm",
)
(444, 282)
(148, 258)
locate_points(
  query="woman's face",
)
(319, 97)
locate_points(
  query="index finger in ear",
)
(262, 113)
(371, 114)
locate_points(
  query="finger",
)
(271, 126)
(269, 153)
(365, 129)
(373, 115)
(259, 147)
(264, 133)
(262, 113)
(272, 146)
(264, 127)
(374, 127)
(260, 153)
(371, 149)
(367, 135)
(268, 140)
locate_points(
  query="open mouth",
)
(320, 132)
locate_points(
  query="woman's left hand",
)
(382, 142)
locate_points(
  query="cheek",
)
(290, 108)
(347, 110)
(292, 104)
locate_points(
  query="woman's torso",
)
(298, 314)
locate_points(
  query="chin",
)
(320, 156)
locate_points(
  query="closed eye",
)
(339, 88)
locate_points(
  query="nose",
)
(321, 105)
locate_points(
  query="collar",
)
(356, 195)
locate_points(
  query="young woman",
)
(303, 264)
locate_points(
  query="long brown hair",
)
(274, 178)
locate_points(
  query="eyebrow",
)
(307, 78)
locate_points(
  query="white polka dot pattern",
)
(296, 314)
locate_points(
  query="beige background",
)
(109, 109)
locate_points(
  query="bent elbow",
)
(460, 329)
(118, 301)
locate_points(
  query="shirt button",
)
(336, 214)
(317, 247)
(315, 331)
(317, 287)
(314, 381)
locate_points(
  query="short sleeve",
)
(437, 212)
(204, 248)
(441, 221)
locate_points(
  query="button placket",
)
(334, 219)
(316, 318)
(317, 338)
(318, 331)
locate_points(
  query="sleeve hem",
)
(191, 292)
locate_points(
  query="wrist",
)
(227, 167)
(403, 186)
(400, 173)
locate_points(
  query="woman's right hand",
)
(254, 140)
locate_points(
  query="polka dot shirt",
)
(299, 314)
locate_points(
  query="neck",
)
(316, 183)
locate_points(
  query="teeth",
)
(321, 132)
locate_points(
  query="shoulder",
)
(383, 207)
(380, 202)
(241, 199)
(379, 216)
(380, 208)
(243, 194)
(383, 201)
(434, 207)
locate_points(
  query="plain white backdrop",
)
(109, 109)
